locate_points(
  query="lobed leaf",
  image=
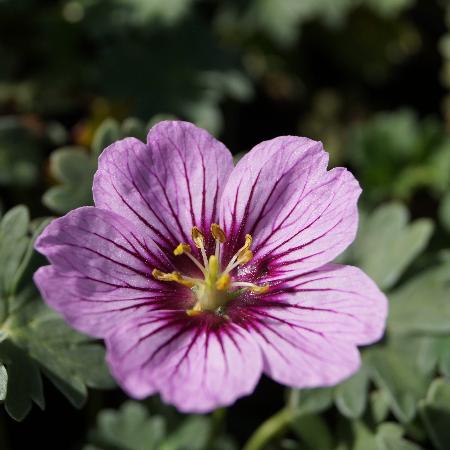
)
(395, 374)
(387, 244)
(435, 412)
(422, 305)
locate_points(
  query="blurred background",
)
(369, 78)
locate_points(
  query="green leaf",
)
(3, 382)
(397, 376)
(395, 154)
(135, 128)
(31, 260)
(380, 405)
(444, 211)
(444, 357)
(20, 153)
(363, 438)
(435, 412)
(386, 244)
(24, 381)
(74, 168)
(14, 241)
(434, 352)
(423, 304)
(312, 401)
(167, 12)
(72, 360)
(390, 437)
(351, 395)
(33, 337)
(129, 428)
(192, 434)
(313, 432)
(107, 133)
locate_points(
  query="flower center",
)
(217, 287)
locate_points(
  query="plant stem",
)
(269, 429)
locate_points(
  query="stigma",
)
(216, 288)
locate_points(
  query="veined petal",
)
(101, 270)
(194, 364)
(168, 185)
(300, 215)
(308, 327)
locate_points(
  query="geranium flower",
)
(201, 276)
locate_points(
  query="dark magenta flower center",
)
(216, 288)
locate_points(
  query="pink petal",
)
(300, 215)
(101, 271)
(195, 365)
(168, 185)
(309, 326)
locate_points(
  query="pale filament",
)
(196, 262)
(216, 289)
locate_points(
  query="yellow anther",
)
(223, 282)
(218, 233)
(161, 276)
(174, 276)
(182, 248)
(244, 257)
(195, 311)
(248, 242)
(260, 289)
(245, 249)
(198, 238)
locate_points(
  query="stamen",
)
(248, 242)
(218, 233)
(252, 287)
(243, 254)
(223, 282)
(174, 276)
(198, 237)
(185, 249)
(219, 236)
(199, 241)
(182, 249)
(216, 288)
(244, 257)
(260, 289)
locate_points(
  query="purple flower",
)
(201, 276)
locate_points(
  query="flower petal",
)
(309, 326)
(195, 365)
(101, 270)
(300, 215)
(168, 185)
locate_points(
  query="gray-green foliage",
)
(387, 243)
(444, 211)
(423, 304)
(20, 153)
(33, 339)
(395, 154)
(74, 167)
(132, 427)
(435, 411)
(397, 373)
(282, 20)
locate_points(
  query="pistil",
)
(217, 287)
